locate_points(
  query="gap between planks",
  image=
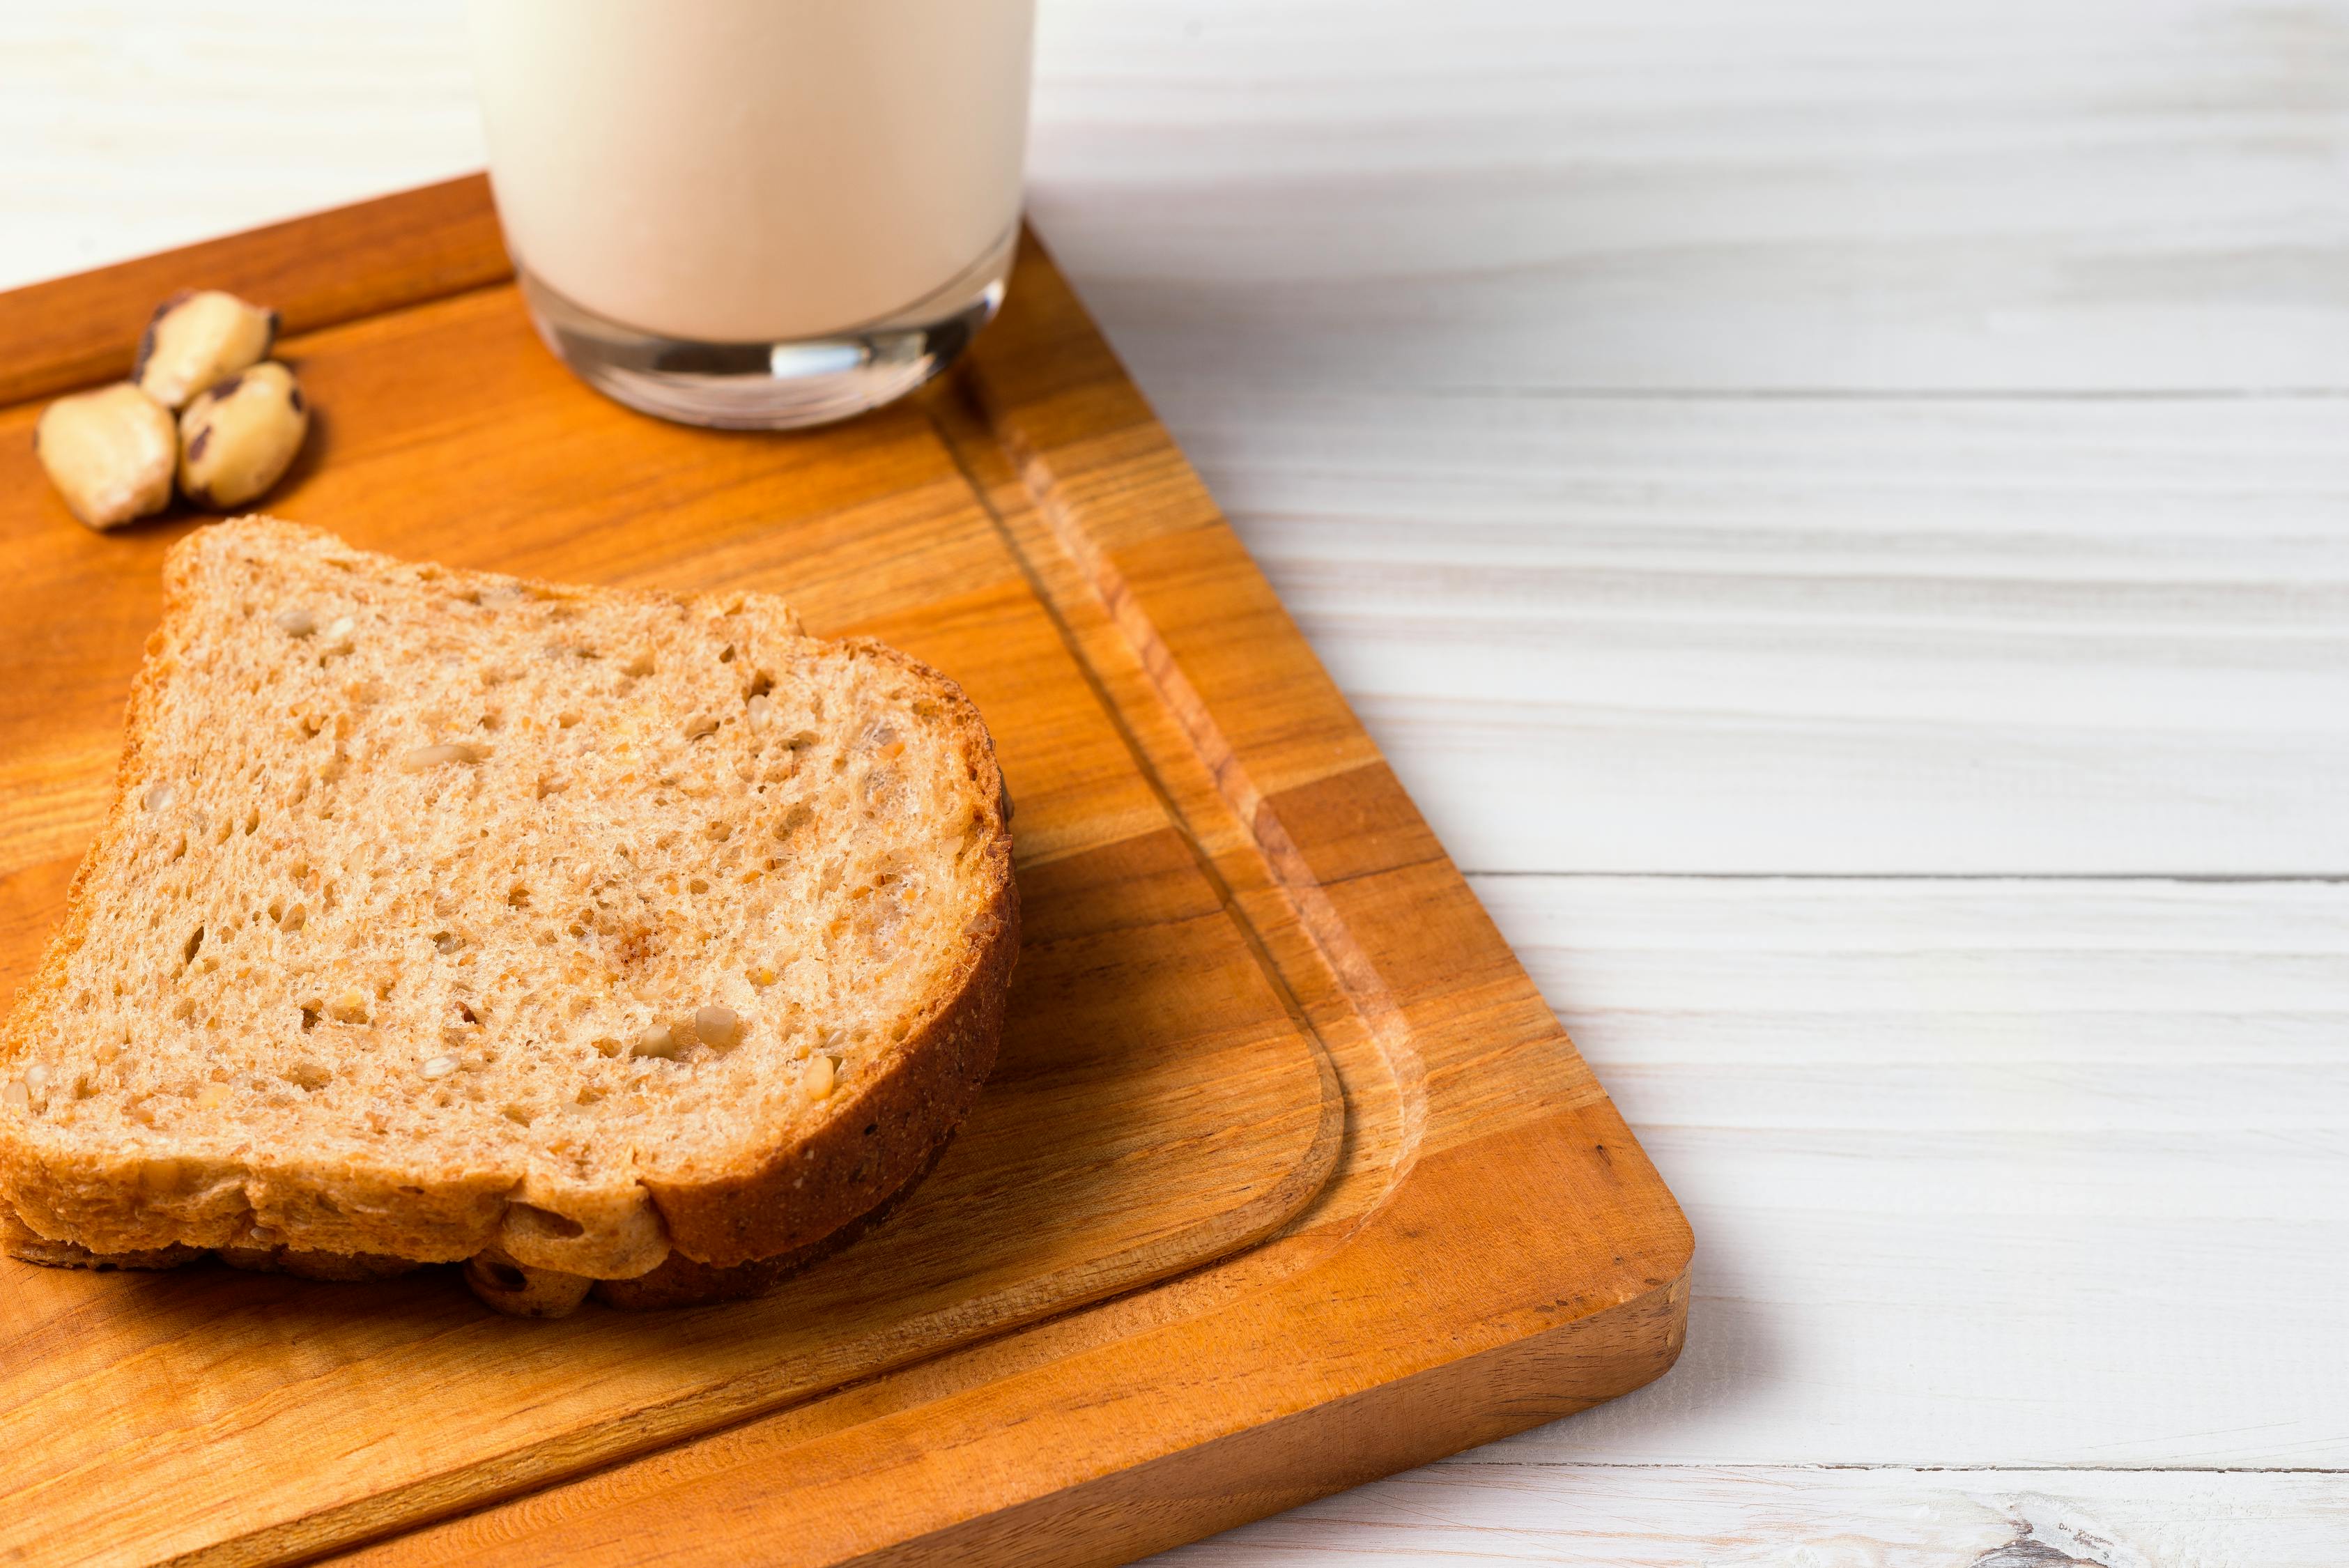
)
(2100, 1121)
(1491, 1459)
(2191, 879)
(1370, 386)
(1783, 1515)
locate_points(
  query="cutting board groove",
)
(1288, 1175)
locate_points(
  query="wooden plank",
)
(1885, 636)
(2086, 194)
(1471, 1512)
(1966, 1157)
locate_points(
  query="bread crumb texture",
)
(438, 908)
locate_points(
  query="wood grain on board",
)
(439, 240)
(1254, 1000)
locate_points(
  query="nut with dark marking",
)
(109, 453)
(195, 339)
(237, 439)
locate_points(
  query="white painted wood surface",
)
(1479, 1512)
(1877, 635)
(1839, 510)
(1983, 1171)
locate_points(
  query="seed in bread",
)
(109, 452)
(307, 997)
(197, 338)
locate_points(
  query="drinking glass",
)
(756, 213)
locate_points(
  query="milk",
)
(753, 171)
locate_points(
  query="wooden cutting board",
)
(1288, 1178)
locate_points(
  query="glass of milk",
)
(757, 214)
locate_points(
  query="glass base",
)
(773, 385)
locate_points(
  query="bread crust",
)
(883, 1128)
(678, 1282)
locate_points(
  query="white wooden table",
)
(1840, 512)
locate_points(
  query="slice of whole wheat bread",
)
(438, 911)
